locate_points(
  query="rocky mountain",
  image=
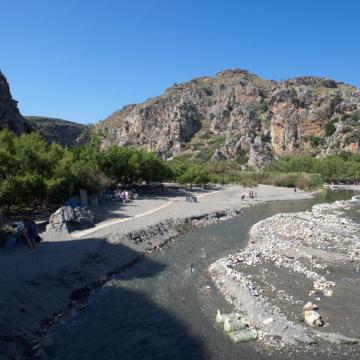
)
(10, 117)
(63, 132)
(53, 130)
(237, 115)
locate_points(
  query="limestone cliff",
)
(237, 115)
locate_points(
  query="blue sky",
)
(83, 59)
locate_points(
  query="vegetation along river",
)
(164, 306)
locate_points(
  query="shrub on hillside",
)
(330, 128)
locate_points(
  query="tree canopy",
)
(32, 171)
(338, 168)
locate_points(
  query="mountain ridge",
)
(261, 118)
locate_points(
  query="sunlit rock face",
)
(237, 113)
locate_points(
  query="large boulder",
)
(68, 219)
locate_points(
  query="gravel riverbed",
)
(291, 259)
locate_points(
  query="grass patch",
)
(299, 180)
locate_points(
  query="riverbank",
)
(36, 289)
(290, 260)
(349, 187)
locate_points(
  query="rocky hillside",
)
(10, 117)
(237, 115)
(57, 130)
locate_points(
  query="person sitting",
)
(30, 232)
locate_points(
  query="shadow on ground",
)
(124, 325)
(113, 209)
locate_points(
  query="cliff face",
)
(10, 117)
(237, 115)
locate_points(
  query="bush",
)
(314, 140)
(264, 106)
(188, 173)
(295, 179)
(242, 157)
(336, 100)
(339, 168)
(330, 128)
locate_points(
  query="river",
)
(164, 306)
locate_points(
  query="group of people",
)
(125, 196)
(252, 194)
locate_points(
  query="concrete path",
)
(105, 224)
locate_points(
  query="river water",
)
(164, 306)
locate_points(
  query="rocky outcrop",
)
(237, 113)
(10, 117)
(68, 219)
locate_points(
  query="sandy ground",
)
(36, 287)
(145, 212)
